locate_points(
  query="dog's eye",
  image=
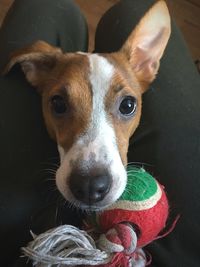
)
(128, 106)
(58, 104)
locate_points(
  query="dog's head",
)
(92, 105)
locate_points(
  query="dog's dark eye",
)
(58, 104)
(128, 106)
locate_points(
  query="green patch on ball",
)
(140, 185)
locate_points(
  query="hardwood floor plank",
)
(195, 3)
(4, 6)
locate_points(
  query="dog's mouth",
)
(90, 208)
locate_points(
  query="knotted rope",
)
(68, 246)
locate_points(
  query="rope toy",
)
(117, 235)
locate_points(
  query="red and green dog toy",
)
(116, 236)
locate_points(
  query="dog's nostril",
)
(90, 189)
(100, 186)
(100, 191)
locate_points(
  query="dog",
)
(92, 106)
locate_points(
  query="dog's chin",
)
(91, 208)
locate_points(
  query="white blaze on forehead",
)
(101, 73)
(100, 130)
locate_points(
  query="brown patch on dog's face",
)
(124, 84)
(70, 82)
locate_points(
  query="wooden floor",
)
(186, 13)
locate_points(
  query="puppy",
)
(92, 105)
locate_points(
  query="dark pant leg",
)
(25, 148)
(168, 138)
(59, 23)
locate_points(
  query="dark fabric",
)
(28, 200)
(59, 23)
(167, 141)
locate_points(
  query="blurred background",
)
(185, 12)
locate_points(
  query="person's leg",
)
(168, 138)
(25, 148)
(59, 23)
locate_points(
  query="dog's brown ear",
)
(146, 44)
(36, 61)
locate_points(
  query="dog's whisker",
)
(136, 163)
(50, 172)
(133, 163)
(51, 164)
(73, 205)
(52, 189)
(49, 161)
(55, 164)
(50, 169)
(56, 214)
(135, 170)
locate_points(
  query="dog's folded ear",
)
(36, 60)
(146, 44)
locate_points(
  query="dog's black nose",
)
(89, 189)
